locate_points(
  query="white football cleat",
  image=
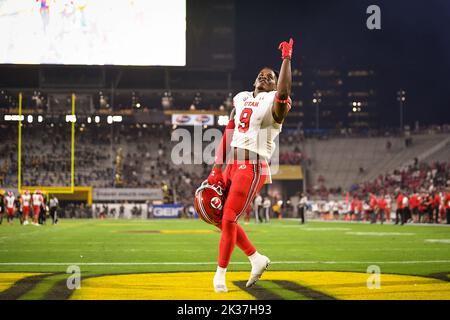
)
(219, 284)
(259, 265)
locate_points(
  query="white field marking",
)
(327, 229)
(39, 230)
(84, 251)
(103, 250)
(382, 234)
(368, 222)
(202, 250)
(211, 263)
(21, 235)
(438, 240)
(314, 229)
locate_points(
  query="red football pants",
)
(243, 180)
(36, 211)
(26, 212)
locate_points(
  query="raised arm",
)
(282, 103)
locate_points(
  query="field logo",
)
(374, 20)
(374, 280)
(74, 280)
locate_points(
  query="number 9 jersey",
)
(255, 127)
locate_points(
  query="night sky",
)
(411, 51)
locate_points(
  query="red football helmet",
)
(208, 203)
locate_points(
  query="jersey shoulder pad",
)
(241, 95)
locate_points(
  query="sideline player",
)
(25, 201)
(38, 199)
(10, 206)
(255, 122)
(2, 206)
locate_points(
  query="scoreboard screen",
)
(93, 32)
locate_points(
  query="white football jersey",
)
(37, 199)
(10, 201)
(255, 127)
(26, 198)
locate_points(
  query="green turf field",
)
(162, 259)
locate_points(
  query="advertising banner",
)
(166, 211)
(128, 194)
(181, 119)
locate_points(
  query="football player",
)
(2, 206)
(38, 199)
(10, 206)
(256, 121)
(25, 202)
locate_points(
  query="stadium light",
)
(13, 117)
(89, 119)
(401, 98)
(30, 118)
(317, 102)
(109, 120)
(40, 119)
(354, 103)
(354, 109)
(71, 118)
(359, 104)
(117, 118)
(167, 100)
(97, 119)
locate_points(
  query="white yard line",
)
(211, 263)
(381, 234)
(438, 240)
(368, 222)
(84, 251)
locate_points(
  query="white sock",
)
(221, 271)
(254, 256)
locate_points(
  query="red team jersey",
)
(400, 201)
(413, 201)
(382, 204)
(447, 201)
